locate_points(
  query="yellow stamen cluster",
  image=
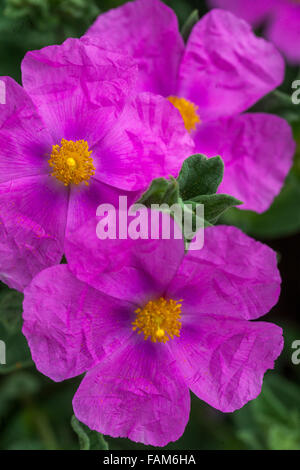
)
(188, 111)
(71, 162)
(159, 320)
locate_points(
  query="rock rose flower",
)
(74, 136)
(220, 73)
(147, 323)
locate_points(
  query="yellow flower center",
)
(159, 320)
(71, 162)
(188, 111)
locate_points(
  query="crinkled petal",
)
(232, 275)
(84, 201)
(148, 141)
(226, 68)
(135, 393)
(284, 30)
(148, 32)
(78, 87)
(257, 150)
(133, 270)
(223, 360)
(24, 142)
(33, 214)
(252, 11)
(69, 325)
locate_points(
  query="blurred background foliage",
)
(35, 413)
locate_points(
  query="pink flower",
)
(282, 19)
(221, 72)
(147, 323)
(74, 136)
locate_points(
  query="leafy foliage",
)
(200, 175)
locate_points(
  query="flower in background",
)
(221, 72)
(74, 136)
(147, 323)
(280, 17)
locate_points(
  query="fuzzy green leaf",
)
(11, 309)
(88, 439)
(161, 191)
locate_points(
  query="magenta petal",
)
(233, 275)
(33, 218)
(24, 142)
(257, 150)
(147, 31)
(78, 87)
(136, 393)
(133, 270)
(284, 30)
(69, 325)
(226, 68)
(223, 360)
(252, 11)
(148, 141)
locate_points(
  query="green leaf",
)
(88, 439)
(189, 24)
(280, 103)
(200, 175)
(161, 191)
(214, 205)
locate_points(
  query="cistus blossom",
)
(149, 323)
(280, 18)
(220, 73)
(76, 135)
